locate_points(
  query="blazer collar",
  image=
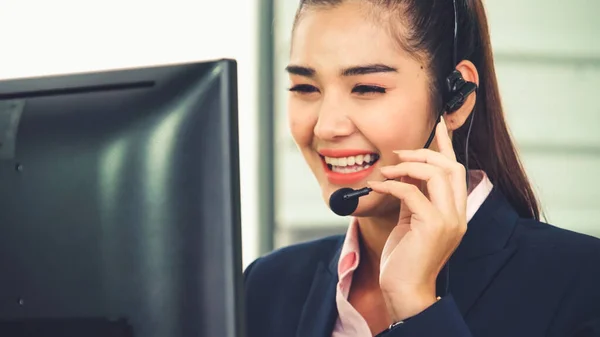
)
(320, 310)
(490, 228)
(333, 264)
(484, 250)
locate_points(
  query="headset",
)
(458, 88)
(344, 201)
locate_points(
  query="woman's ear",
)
(457, 118)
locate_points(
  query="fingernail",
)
(399, 151)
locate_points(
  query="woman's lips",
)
(347, 166)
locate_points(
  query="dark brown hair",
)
(430, 37)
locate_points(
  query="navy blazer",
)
(509, 277)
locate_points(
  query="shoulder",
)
(556, 243)
(297, 261)
(561, 265)
(550, 249)
(560, 260)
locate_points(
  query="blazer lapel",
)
(484, 250)
(320, 311)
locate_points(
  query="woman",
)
(424, 255)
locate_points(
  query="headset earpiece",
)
(459, 90)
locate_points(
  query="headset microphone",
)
(344, 201)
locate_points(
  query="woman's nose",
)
(333, 122)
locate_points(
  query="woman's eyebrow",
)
(300, 71)
(351, 71)
(368, 69)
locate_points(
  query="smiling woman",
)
(450, 231)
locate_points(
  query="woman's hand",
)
(429, 229)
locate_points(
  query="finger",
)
(438, 184)
(443, 140)
(412, 197)
(455, 170)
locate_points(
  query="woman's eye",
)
(368, 89)
(304, 89)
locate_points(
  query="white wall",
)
(41, 37)
(548, 66)
(547, 56)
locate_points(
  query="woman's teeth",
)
(351, 164)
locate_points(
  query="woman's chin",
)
(375, 205)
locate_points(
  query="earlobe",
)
(457, 118)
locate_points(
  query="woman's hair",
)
(428, 34)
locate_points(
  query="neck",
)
(374, 233)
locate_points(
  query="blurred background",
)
(547, 56)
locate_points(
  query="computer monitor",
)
(120, 203)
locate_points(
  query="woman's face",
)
(355, 98)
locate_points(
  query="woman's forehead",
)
(343, 36)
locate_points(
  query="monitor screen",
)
(120, 204)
